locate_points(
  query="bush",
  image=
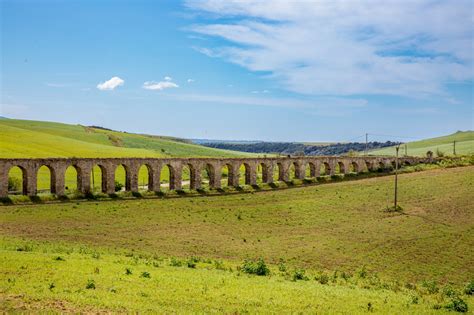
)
(128, 271)
(430, 286)
(469, 289)
(299, 274)
(145, 274)
(90, 285)
(14, 184)
(257, 267)
(118, 186)
(322, 278)
(175, 262)
(191, 263)
(457, 304)
(439, 153)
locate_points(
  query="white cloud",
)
(191, 80)
(152, 85)
(327, 106)
(338, 47)
(167, 78)
(110, 84)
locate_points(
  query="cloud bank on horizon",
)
(336, 47)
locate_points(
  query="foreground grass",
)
(335, 226)
(60, 278)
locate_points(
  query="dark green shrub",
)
(118, 186)
(430, 286)
(59, 258)
(90, 284)
(469, 289)
(449, 292)
(145, 274)
(281, 265)
(128, 271)
(457, 304)
(136, 194)
(257, 267)
(191, 263)
(299, 274)
(175, 262)
(322, 278)
(14, 184)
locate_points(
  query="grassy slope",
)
(464, 145)
(37, 139)
(336, 226)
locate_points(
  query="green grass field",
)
(464, 145)
(39, 139)
(319, 229)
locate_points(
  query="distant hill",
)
(464, 145)
(297, 148)
(36, 139)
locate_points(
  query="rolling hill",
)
(39, 139)
(464, 145)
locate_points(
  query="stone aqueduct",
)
(83, 166)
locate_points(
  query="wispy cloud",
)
(337, 47)
(56, 85)
(110, 84)
(158, 86)
(323, 105)
(191, 80)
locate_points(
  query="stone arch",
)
(145, 177)
(250, 176)
(17, 180)
(46, 179)
(325, 169)
(73, 178)
(354, 167)
(313, 169)
(122, 176)
(232, 174)
(99, 178)
(267, 172)
(168, 176)
(341, 167)
(208, 176)
(282, 171)
(191, 176)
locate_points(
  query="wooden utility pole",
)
(396, 180)
(366, 144)
(406, 152)
(454, 147)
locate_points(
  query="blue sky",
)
(306, 71)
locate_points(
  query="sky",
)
(248, 70)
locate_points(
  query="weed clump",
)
(299, 274)
(255, 267)
(128, 271)
(431, 287)
(90, 285)
(59, 258)
(175, 262)
(469, 289)
(457, 304)
(145, 274)
(322, 278)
